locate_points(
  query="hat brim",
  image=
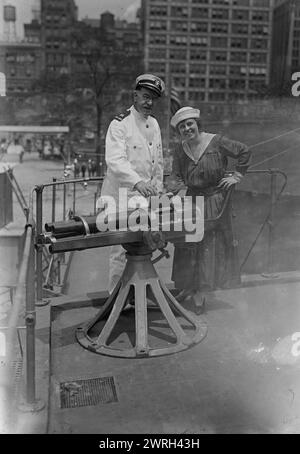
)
(150, 87)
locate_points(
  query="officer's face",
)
(143, 101)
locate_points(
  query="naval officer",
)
(133, 154)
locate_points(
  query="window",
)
(198, 41)
(240, 14)
(238, 56)
(257, 85)
(219, 42)
(258, 57)
(197, 69)
(219, 13)
(157, 53)
(179, 11)
(237, 84)
(217, 83)
(217, 96)
(158, 39)
(179, 26)
(218, 56)
(199, 26)
(200, 12)
(178, 40)
(158, 10)
(177, 67)
(239, 29)
(256, 71)
(260, 15)
(179, 82)
(261, 3)
(259, 43)
(157, 68)
(197, 55)
(196, 82)
(177, 54)
(219, 28)
(259, 29)
(239, 42)
(218, 70)
(196, 96)
(240, 2)
(158, 25)
(220, 2)
(237, 71)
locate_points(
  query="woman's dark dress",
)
(213, 262)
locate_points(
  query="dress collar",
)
(205, 141)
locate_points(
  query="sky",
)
(124, 9)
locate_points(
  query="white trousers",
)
(117, 262)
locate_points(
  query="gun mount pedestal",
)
(138, 280)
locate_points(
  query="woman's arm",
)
(240, 152)
(236, 150)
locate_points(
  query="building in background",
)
(22, 65)
(215, 50)
(20, 60)
(285, 58)
(57, 21)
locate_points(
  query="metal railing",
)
(45, 274)
(269, 219)
(25, 289)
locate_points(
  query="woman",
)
(200, 164)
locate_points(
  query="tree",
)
(104, 72)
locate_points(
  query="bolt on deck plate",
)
(81, 393)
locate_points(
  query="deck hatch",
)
(93, 391)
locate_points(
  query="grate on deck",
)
(82, 393)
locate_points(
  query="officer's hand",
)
(145, 189)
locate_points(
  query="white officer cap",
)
(151, 82)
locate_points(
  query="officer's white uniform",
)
(133, 152)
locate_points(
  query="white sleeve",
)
(116, 156)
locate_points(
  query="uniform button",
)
(147, 126)
(150, 143)
(153, 161)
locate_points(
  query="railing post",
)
(31, 404)
(74, 197)
(53, 199)
(39, 247)
(270, 267)
(30, 319)
(95, 203)
(64, 201)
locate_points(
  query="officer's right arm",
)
(116, 156)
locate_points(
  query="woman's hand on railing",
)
(229, 180)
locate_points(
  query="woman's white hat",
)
(183, 114)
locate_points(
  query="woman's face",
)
(188, 129)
